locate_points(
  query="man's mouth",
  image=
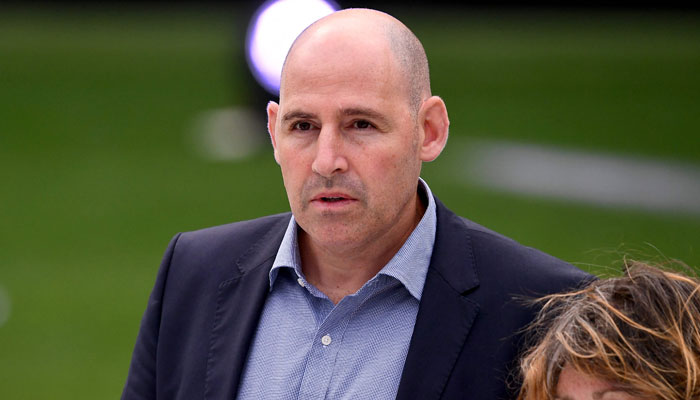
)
(332, 199)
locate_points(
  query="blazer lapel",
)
(445, 316)
(240, 301)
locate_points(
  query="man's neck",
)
(340, 271)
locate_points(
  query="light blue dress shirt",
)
(307, 348)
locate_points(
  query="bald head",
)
(355, 121)
(369, 29)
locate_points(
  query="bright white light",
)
(272, 31)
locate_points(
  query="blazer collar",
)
(445, 315)
(453, 256)
(239, 304)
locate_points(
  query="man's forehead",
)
(374, 96)
(346, 76)
(352, 74)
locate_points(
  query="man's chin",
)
(335, 234)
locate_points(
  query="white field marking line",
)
(595, 178)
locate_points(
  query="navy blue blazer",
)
(212, 284)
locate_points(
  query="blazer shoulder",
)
(509, 265)
(230, 249)
(233, 233)
(519, 267)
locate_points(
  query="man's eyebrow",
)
(297, 115)
(364, 112)
(348, 112)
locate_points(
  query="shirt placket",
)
(320, 364)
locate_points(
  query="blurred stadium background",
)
(121, 125)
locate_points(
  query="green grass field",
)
(98, 174)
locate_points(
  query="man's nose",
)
(330, 158)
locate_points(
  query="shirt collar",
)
(288, 253)
(409, 265)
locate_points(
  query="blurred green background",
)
(98, 171)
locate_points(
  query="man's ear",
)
(272, 109)
(435, 124)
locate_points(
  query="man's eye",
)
(302, 126)
(362, 124)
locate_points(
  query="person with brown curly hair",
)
(627, 338)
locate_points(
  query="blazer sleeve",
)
(141, 380)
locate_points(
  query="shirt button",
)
(326, 340)
(301, 282)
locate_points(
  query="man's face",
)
(347, 144)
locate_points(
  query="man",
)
(371, 289)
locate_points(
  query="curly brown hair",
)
(641, 331)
